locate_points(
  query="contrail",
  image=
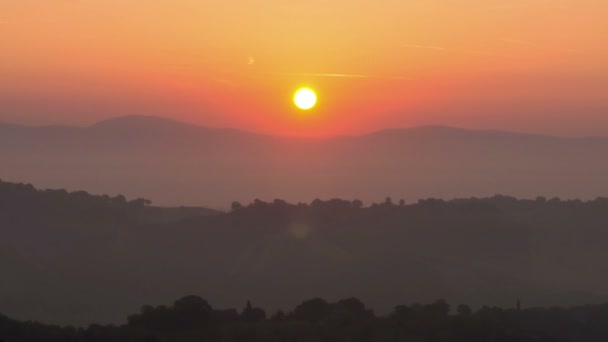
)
(440, 48)
(535, 45)
(342, 75)
(516, 42)
(429, 47)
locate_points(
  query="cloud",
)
(362, 76)
(441, 48)
(428, 47)
(485, 53)
(537, 45)
(516, 41)
(546, 4)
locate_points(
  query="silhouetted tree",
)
(278, 316)
(345, 320)
(313, 310)
(236, 206)
(464, 310)
(251, 314)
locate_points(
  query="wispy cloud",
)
(516, 41)
(427, 47)
(521, 42)
(524, 4)
(362, 76)
(486, 53)
(224, 81)
(441, 48)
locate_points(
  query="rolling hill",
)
(76, 258)
(174, 163)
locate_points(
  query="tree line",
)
(192, 318)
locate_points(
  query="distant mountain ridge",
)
(158, 122)
(176, 163)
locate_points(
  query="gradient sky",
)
(526, 65)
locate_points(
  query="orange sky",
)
(526, 65)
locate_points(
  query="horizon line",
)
(309, 137)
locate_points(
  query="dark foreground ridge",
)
(75, 258)
(192, 318)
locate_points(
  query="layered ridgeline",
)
(180, 164)
(76, 258)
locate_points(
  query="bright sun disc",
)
(305, 98)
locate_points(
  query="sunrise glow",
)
(259, 153)
(305, 98)
(375, 65)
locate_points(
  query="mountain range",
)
(175, 163)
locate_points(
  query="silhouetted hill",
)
(140, 122)
(192, 318)
(181, 164)
(77, 258)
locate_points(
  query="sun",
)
(305, 98)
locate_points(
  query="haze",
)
(525, 65)
(275, 170)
